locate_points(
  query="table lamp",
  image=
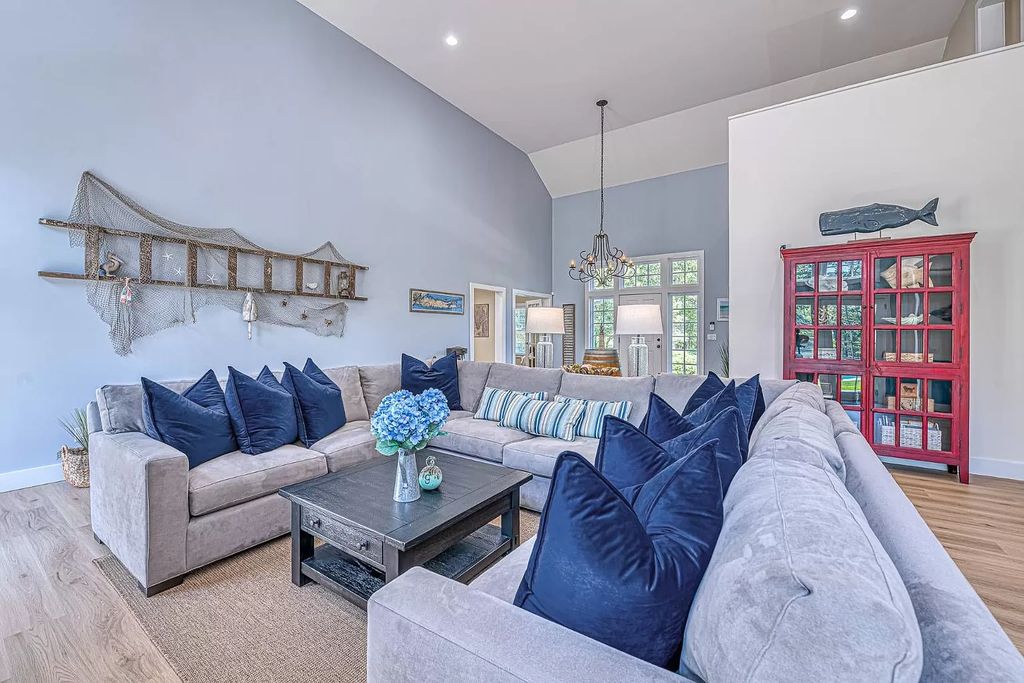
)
(637, 320)
(545, 321)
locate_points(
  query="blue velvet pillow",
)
(751, 402)
(442, 375)
(195, 422)
(627, 457)
(262, 411)
(624, 574)
(318, 407)
(711, 386)
(662, 422)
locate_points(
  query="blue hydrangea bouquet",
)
(404, 423)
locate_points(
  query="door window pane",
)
(850, 390)
(885, 429)
(885, 345)
(911, 346)
(940, 396)
(887, 274)
(940, 434)
(827, 383)
(851, 343)
(828, 276)
(602, 323)
(940, 270)
(852, 276)
(827, 344)
(885, 309)
(828, 311)
(912, 309)
(911, 392)
(852, 311)
(885, 393)
(685, 271)
(912, 273)
(644, 275)
(805, 310)
(940, 308)
(940, 346)
(685, 333)
(804, 344)
(910, 432)
(805, 277)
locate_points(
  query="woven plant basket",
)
(75, 462)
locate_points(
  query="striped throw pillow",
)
(495, 402)
(594, 411)
(558, 419)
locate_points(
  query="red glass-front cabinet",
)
(883, 327)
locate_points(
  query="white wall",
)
(953, 131)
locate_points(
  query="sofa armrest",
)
(424, 627)
(139, 503)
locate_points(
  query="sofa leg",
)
(150, 591)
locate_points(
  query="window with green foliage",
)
(602, 323)
(644, 275)
(685, 271)
(685, 336)
(519, 320)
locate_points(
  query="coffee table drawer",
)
(344, 536)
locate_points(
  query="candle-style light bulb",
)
(572, 264)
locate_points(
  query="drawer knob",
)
(364, 545)
(316, 523)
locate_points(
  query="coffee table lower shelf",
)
(357, 581)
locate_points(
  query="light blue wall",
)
(253, 114)
(679, 212)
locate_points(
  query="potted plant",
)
(75, 459)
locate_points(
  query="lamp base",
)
(545, 352)
(638, 355)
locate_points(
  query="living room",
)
(460, 341)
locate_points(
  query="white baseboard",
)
(989, 467)
(34, 476)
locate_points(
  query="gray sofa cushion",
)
(120, 405)
(676, 389)
(799, 588)
(237, 477)
(347, 379)
(636, 390)
(502, 580)
(349, 445)
(803, 425)
(378, 381)
(841, 422)
(537, 456)
(472, 379)
(481, 438)
(519, 378)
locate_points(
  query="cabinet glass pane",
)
(940, 434)
(885, 429)
(851, 344)
(940, 308)
(911, 392)
(854, 416)
(911, 346)
(805, 277)
(940, 346)
(940, 396)
(912, 272)
(852, 311)
(804, 344)
(940, 270)
(887, 275)
(885, 309)
(850, 390)
(852, 276)
(885, 393)
(827, 344)
(910, 432)
(828, 385)
(912, 309)
(828, 311)
(885, 345)
(805, 310)
(805, 377)
(828, 276)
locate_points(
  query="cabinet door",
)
(827, 320)
(914, 414)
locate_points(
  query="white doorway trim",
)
(500, 338)
(546, 299)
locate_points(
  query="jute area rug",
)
(241, 619)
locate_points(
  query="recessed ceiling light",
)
(848, 14)
(450, 40)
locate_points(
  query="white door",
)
(655, 343)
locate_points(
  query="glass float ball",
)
(430, 476)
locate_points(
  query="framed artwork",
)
(723, 310)
(481, 321)
(429, 301)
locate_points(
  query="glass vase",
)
(407, 487)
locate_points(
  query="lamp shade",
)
(544, 320)
(638, 319)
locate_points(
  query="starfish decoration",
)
(179, 271)
(168, 256)
(211, 278)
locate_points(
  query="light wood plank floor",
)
(61, 621)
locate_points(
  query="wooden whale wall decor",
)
(874, 218)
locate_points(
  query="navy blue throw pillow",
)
(643, 562)
(262, 411)
(627, 457)
(711, 386)
(751, 402)
(318, 407)
(195, 422)
(663, 423)
(442, 375)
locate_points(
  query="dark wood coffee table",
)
(369, 539)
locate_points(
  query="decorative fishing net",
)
(166, 299)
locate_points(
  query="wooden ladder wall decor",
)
(92, 264)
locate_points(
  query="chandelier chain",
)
(602, 168)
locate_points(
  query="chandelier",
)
(603, 263)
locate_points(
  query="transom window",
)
(685, 271)
(644, 275)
